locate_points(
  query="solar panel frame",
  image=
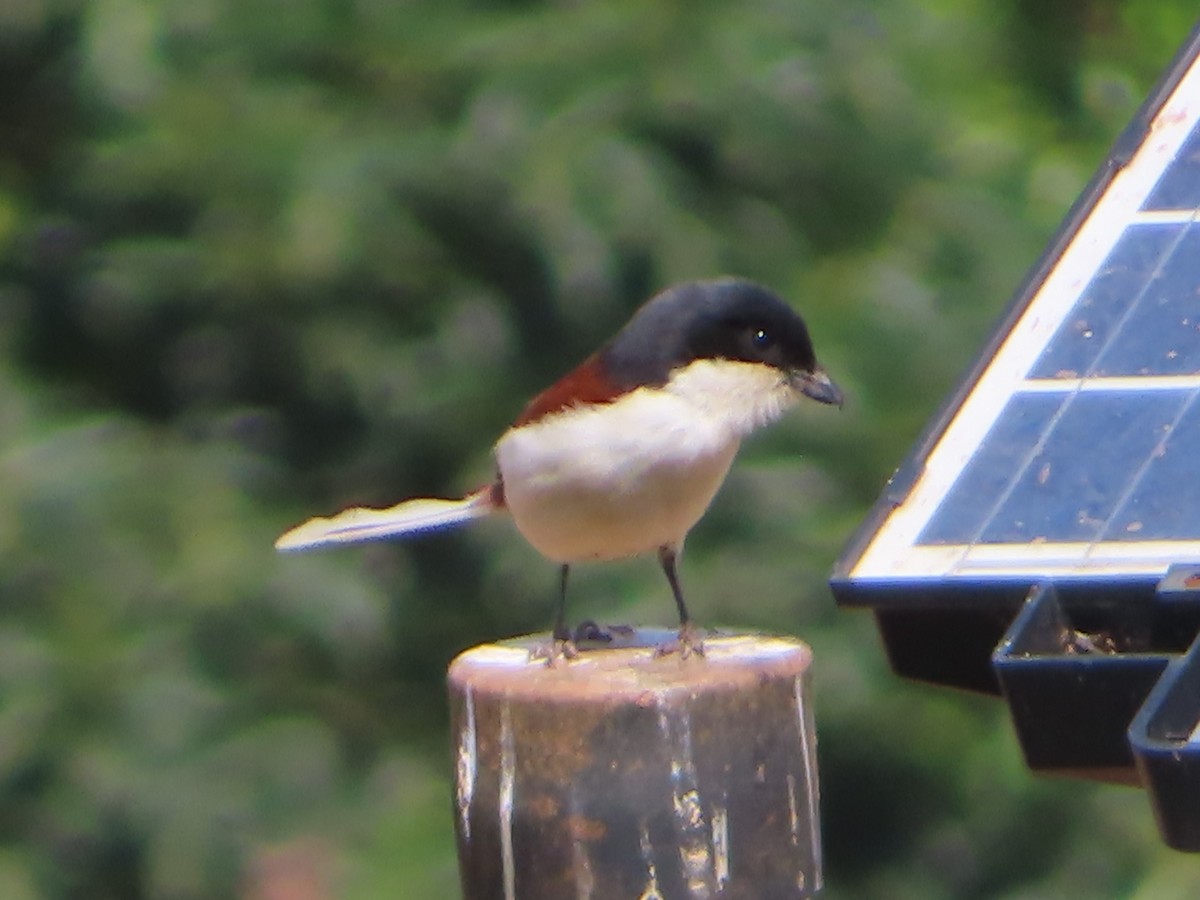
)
(870, 575)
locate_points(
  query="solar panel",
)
(1044, 539)
(1077, 450)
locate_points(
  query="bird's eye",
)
(755, 342)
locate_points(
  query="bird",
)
(623, 455)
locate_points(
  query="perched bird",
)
(623, 455)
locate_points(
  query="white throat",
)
(738, 396)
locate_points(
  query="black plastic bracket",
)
(1072, 688)
(1164, 734)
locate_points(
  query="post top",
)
(630, 667)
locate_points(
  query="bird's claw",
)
(689, 642)
(558, 652)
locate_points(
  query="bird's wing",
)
(411, 517)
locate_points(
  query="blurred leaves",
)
(264, 259)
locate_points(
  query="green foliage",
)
(262, 259)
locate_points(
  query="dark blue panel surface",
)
(1055, 467)
(1179, 187)
(1104, 303)
(1161, 335)
(1165, 500)
(1003, 452)
(1073, 483)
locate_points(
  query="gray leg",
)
(689, 641)
(562, 634)
(667, 556)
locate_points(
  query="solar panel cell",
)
(1008, 445)
(1179, 187)
(1091, 324)
(1165, 502)
(1161, 333)
(1070, 486)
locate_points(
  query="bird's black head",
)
(725, 319)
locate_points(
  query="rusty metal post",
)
(622, 774)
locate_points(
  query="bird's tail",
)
(352, 526)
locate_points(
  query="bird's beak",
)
(818, 386)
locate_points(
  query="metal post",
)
(622, 773)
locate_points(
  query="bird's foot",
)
(558, 652)
(688, 643)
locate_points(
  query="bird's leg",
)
(689, 638)
(667, 557)
(564, 646)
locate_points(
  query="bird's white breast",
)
(614, 480)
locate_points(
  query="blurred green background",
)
(262, 259)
